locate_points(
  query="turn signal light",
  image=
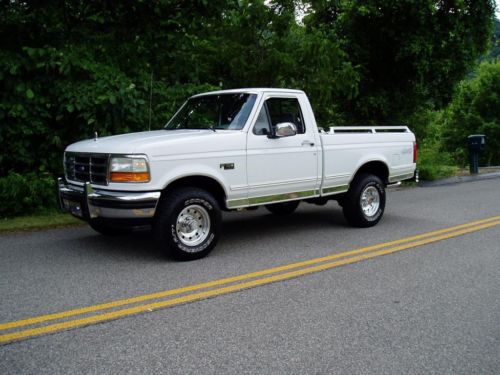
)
(129, 169)
(129, 176)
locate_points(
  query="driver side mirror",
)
(285, 129)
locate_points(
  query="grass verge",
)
(38, 221)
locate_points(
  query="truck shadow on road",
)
(263, 224)
(241, 231)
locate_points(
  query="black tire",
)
(177, 213)
(352, 203)
(108, 230)
(285, 208)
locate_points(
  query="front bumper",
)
(86, 202)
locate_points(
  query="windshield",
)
(226, 111)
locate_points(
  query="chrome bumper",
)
(88, 203)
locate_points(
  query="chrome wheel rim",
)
(193, 225)
(370, 201)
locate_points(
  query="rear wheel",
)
(187, 223)
(285, 208)
(364, 203)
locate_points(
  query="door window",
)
(286, 110)
(278, 110)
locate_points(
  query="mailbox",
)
(476, 143)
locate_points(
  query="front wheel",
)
(187, 223)
(364, 203)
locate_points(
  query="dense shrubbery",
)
(475, 109)
(434, 164)
(70, 68)
(25, 194)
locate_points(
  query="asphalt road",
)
(429, 309)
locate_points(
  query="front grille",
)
(85, 167)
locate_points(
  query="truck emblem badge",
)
(227, 166)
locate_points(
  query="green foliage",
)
(424, 123)
(25, 194)
(407, 53)
(434, 164)
(475, 110)
(70, 68)
(495, 42)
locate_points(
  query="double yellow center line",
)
(49, 323)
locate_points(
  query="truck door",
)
(281, 168)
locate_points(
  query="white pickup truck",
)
(230, 150)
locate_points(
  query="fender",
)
(370, 159)
(194, 170)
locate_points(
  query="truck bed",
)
(346, 149)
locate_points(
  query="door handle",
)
(307, 143)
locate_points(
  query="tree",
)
(475, 110)
(408, 53)
(70, 67)
(495, 42)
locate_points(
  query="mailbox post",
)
(476, 144)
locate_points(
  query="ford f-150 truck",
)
(231, 150)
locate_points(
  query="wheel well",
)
(378, 168)
(202, 182)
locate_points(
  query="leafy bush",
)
(25, 194)
(70, 68)
(434, 164)
(406, 53)
(475, 110)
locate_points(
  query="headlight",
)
(129, 169)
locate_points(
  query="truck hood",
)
(155, 143)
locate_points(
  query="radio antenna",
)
(150, 100)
